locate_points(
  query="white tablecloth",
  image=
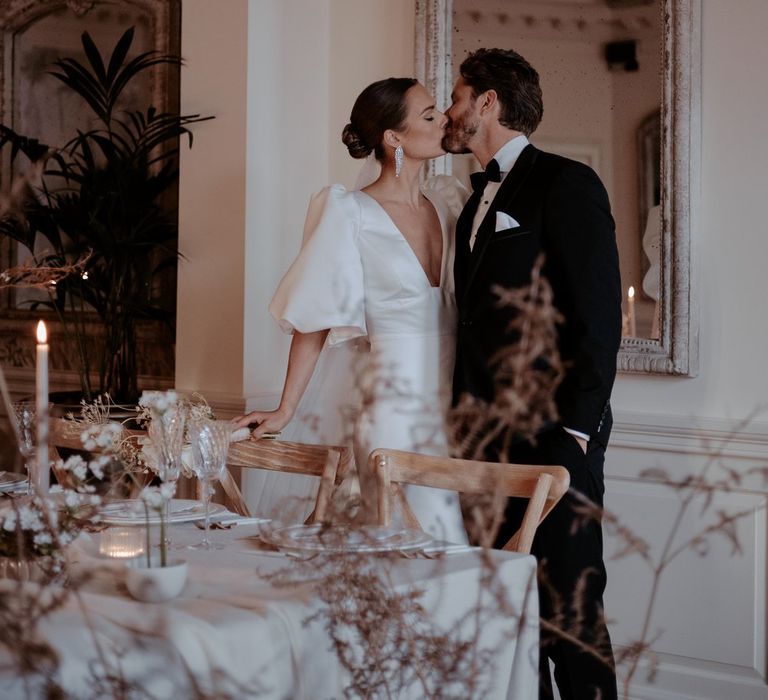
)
(232, 631)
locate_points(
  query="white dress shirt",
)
(506, 157)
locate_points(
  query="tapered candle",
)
(631, 312)
(41, 477)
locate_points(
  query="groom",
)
(529, 202)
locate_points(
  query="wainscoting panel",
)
(707, 614)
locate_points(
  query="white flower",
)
(153, 497)
(71, 499)
(42, 538)
(30, 519)
(159, 401)
(97, 465)
(77, 466)
(102, 436)
(9, 520)
(167, 490)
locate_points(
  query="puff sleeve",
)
(323, 288)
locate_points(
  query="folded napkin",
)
(239, 435)
(504, 221)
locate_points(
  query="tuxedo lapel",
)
(463, 253)
(505, 195)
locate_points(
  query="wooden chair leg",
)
(325, 489)
(234, 494)
(523, 538)
(383, 491)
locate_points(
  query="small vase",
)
(155, 584)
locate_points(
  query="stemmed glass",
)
(166, 431)
(210, 443)
(25, 413)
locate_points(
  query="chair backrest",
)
(329, 463)
(542, 485)
(65, 434)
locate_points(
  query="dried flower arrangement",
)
(43, 526)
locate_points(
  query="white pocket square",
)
(504, 221)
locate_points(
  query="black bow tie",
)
(490, 174)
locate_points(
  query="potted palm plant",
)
(98, 209)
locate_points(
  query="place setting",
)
(12, 483)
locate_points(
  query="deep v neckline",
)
(407, 242)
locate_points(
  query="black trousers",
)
(571, 571)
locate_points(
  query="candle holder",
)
(122, 542)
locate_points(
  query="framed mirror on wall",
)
(620, 80)
(34, 34)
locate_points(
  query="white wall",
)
(370, 40)
(209, 352)
(288, 151)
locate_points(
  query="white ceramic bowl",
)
(157, 583)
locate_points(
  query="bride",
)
(375, 264)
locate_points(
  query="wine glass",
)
(26, 415)
(166, 431)
(210, 443)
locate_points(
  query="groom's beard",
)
(459, 133)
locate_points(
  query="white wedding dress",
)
(358, 276)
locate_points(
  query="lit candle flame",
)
(42, 334)
(631, 292)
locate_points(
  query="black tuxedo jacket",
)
(563, 211)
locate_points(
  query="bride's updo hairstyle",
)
(379, 107)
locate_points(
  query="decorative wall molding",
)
(658, 432)
(543, 19)
(681, 678)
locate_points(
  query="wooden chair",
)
(65, 434)
(329, 463)
(542, 485)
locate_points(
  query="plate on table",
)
(131, 512)
(322, 538)
(10, 481)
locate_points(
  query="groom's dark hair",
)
(514, 80)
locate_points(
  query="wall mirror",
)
(621, 93)
(34, 34)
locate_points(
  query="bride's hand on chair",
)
(265, 421)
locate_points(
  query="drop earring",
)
(399, 155)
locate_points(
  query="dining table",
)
(256, 622)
